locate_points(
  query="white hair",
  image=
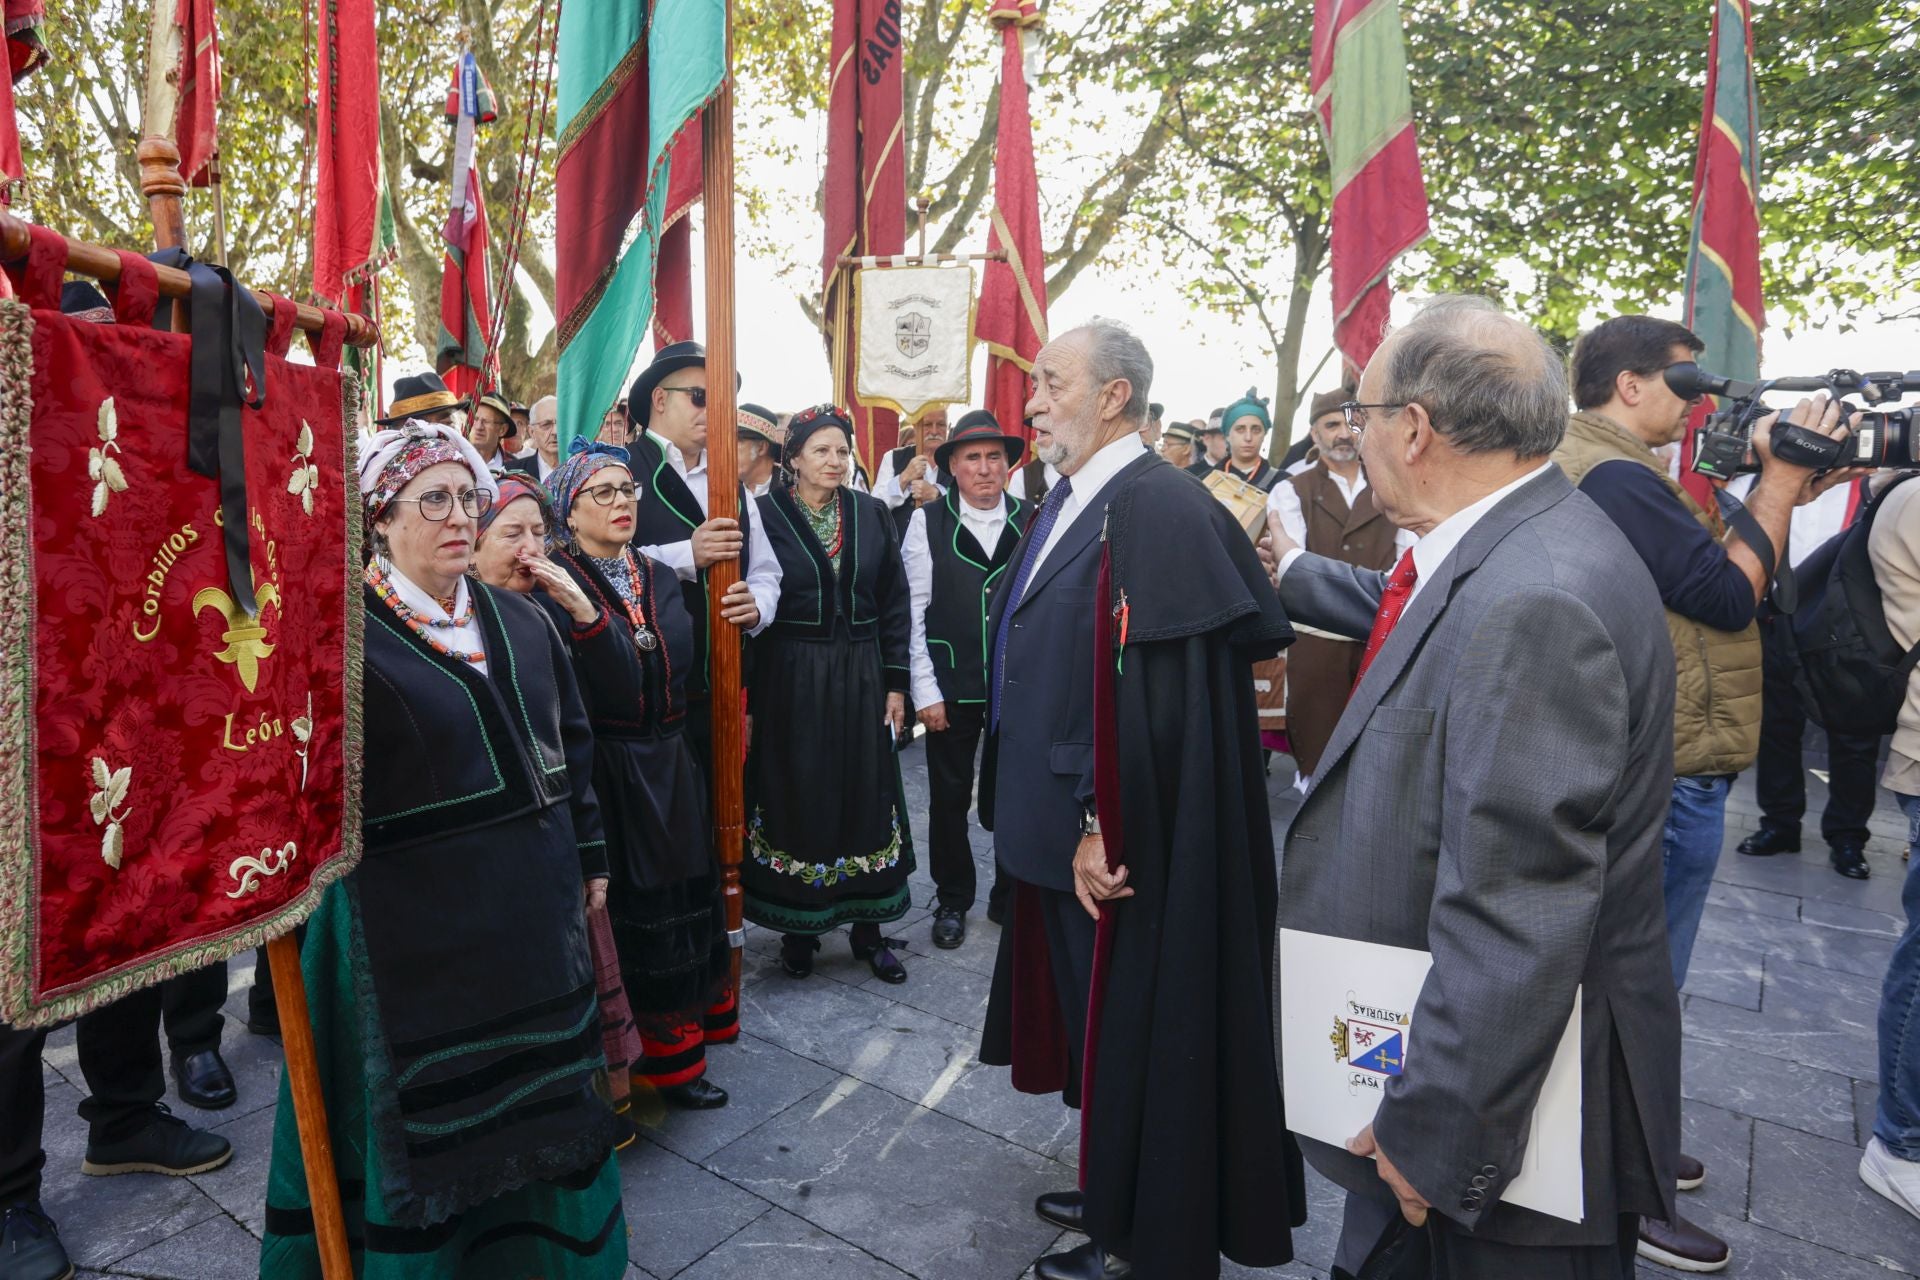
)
(544, 402)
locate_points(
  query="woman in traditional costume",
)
(664, 896)
(451, 991)
(511, 553)
(827, 836)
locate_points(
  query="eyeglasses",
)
(438, 504)
(696, 394)
(1355, 414)
(604, 494)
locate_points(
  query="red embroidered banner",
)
(174, 780)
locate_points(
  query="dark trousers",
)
(190, 1008)
(1458, 1255)
(119, 1056)
(1779, 781)
(951, 757)
(1070, 932)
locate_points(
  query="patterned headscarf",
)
(391, 458)
(566, 481)
(810, 420)
(515, 485)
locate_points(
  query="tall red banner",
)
(866, 188)
(353, 231)
(175, 780)
(1012, 319)
(197, 121)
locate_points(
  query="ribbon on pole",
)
(1723, 299)
(353, 224)
(866, 190)
(1012, 319)
(1365, 104)
(197, 121)
(627, 77)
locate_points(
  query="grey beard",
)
(1052, 454)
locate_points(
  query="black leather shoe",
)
(1849, 859)
(167, 1144)
(949, 927)
(1063, 1209)
(697, 1094)
(1689, 1174)
(1088, 1262)
(796, 954)
(997, 911)
(204, 1080)
(1769, 840)
(30, 1247)
(880, 958)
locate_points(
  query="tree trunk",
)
(1309, 258)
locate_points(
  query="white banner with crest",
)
(916, 336)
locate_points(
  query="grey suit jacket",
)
(1494, 794)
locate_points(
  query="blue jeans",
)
(1898, 1121)
(1696, 826)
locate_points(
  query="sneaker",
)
(167, 1145)
(30, 1247)
(1896, 1179)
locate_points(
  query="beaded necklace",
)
(825, 524)
(376, 575)
(625, 576)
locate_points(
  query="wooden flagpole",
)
(723, 488)
(161, 183)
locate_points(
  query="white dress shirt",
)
(1283, 508)
(464, 638)
(1017, 479)
(1092, 477)
(545, 468)
(886, 486)
(763, 568)
(986, 527)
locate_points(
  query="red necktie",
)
(1393, 602)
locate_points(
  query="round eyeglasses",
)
(438, 504)
(604, 495)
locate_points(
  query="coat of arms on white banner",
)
(916, 336)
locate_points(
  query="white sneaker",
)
(1896, 1179)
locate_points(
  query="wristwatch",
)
(1089, 822)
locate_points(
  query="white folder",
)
(1347, 1028)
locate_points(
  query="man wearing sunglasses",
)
(668, 409)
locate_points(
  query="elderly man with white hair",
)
(544, 427)
(1125, 790)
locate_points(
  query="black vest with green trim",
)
(669, 513)
(964, 576)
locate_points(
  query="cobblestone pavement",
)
(864, 1142)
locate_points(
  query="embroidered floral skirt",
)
(827, 836)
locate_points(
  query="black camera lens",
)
(1883, 439)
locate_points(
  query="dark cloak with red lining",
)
(1182, 1128)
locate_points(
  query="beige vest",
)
(1716, 707)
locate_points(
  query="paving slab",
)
(1788, 1093)
(762, 1080)
(934, 1197)
(1808, 1188)
(1763, 1254)
(677, 1212)
(940, 985)
(217, 1249)
(1721, 1140)
(240, 1187)
(1844, 951)
(1866, 1107)
(1731, 975)
(781, 1245)
(1759, 901)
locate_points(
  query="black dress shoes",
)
(204, 1080)
(30, 1246)
(949, 927)
(1769, 840)
(697, 1094)
(1849, 859)
(878, 953)
(796, 954)
(166, 1145)
(1063, 1209)
(1088, 1262)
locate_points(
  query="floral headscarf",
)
(810, 420)
(515, 485)
(391, 458)
(566, 480)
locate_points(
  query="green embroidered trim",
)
(513, 675)
(530, 1087)
(820, 874)
(794, 920)
(498, 1042)
(499, 782)
(819, 588)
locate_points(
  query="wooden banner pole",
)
(723, 488)
(309, 1107)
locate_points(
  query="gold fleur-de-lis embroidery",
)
(246, 635)
(101, 468)
(110, 792)
(305, 480)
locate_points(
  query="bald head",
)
(1489, 383)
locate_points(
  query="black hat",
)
(415, 394)
(668, 359)
(757, 422)
(978, 426)
(1181, 431)
(1156, 411)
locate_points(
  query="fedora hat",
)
(977, 427)
(415, 394)
(668, 359)
(757, 422)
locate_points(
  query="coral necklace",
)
(383, 587)
(643, 637)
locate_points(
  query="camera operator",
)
(1711, 584)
